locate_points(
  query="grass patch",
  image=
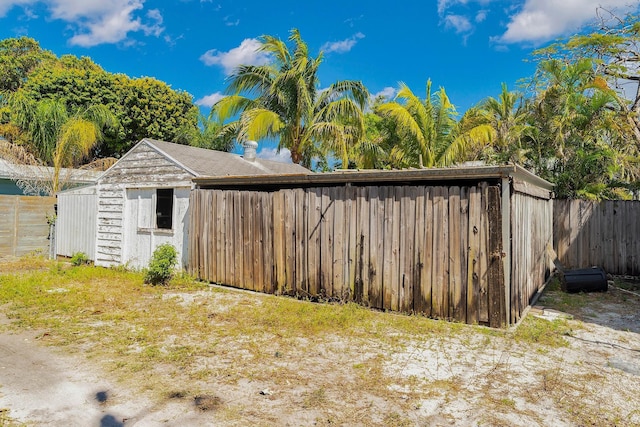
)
(188, 331)
(216, 348)
(534, 330)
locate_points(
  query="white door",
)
(139, 226)
(142, 235)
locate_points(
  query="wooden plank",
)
(289, 241)
(439, 259)
(455, 270)
(246, 223)
(229, 236)
(267, 239)
(351, 210)
(326, 245)
(473, 258)
(609, 239)
(397, 194)
(387, 237)
(495, 272)
(209, 234)
(418, 250)
(259, 264)
(279, 241)
(407, 239)
(218, 211)
(483, 302)
(426, 281)
(362, 258)
(300, 236)
(337, 194)
(374, 245)
(464, 254)
(314, 196)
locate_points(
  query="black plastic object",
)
(592, 279)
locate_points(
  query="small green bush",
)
(79, 258)
(160, 269)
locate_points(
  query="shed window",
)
(164, 208)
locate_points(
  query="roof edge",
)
(369, 175)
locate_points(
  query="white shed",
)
(143, 199)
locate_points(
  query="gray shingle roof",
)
(206, 163)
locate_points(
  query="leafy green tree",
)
(429, 133)
(18, 57)
(579, 140)
(614, 50)
(209, 133)
(145, 107)
(507, 115)
(283, 100)
(61, 137)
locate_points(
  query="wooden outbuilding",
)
(142, 201)
(468, 244)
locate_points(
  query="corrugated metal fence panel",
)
(423, 249)
(76, 222)
(532, 236)
(23, 224)
(604, 234)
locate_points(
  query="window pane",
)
(164, 208)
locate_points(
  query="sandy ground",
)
(466, 380)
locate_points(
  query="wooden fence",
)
(531, 237)
(604, 234)
(23, 224)
(434, 250)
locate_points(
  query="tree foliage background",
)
(575, 122)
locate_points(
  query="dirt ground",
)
(464, 379)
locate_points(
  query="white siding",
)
(76, 222)
(142, 168)
(140, 233)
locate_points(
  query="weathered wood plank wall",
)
(23, 224)
(532, 236)
(433, 250)
(604, 234)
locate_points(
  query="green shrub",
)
(160, 269)
(79, 258)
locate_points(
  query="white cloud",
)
(481, 15)
(6, 5)
(444, 5)
(96, 22)
(230, 22)
(247, 53)
(284, 156)
(209, 100)
(458, 22)
(387, 93)
(342, 46)
(542, 20)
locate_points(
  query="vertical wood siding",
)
(604, 234)
(76, 223)
(23, 224)
(433, 250)
(532, 236)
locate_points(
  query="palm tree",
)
(209, 133)
(60, 138)
(430, 134)
(507, 116)
(582, 137)
(289, 105)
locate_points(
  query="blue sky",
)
(467, 46)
